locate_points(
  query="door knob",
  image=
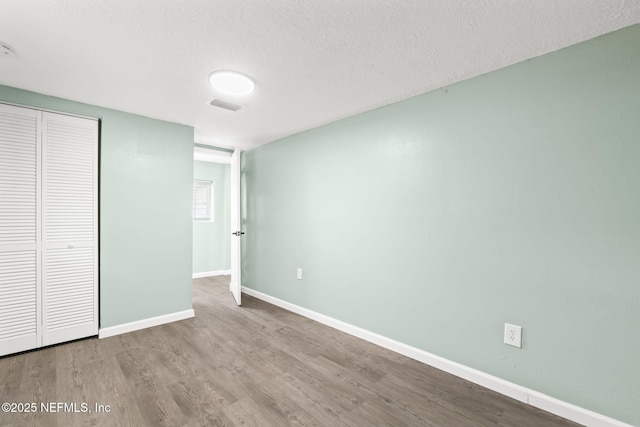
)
(238, 233)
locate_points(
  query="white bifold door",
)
(48, 228)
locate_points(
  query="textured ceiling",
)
(313, 61)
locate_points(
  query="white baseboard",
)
(515, 391)
(145, 323)
(211, 273)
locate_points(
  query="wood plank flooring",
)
(255, 365)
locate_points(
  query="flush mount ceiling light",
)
(232, 82)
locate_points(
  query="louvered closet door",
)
(19, 229)
(70, 233)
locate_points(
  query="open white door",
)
(236, 282)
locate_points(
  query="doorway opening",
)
(215, 212)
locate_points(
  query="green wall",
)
(511, 197)
(146, 172)
(211, 240)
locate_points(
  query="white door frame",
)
(214, 156)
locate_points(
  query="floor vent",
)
(226, 105)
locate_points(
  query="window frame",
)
(196, 215)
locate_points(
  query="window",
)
(202, 200)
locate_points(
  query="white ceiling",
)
(313, 61)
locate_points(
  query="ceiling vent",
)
(226, 105)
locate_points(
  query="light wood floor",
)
(255, 365)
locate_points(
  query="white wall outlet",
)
(513, 335)
(299, 273)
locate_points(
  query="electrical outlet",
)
(299, 274)
(513, 335)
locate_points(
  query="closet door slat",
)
(70, 209)
(19, 229)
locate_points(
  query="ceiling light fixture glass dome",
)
(231, 82)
